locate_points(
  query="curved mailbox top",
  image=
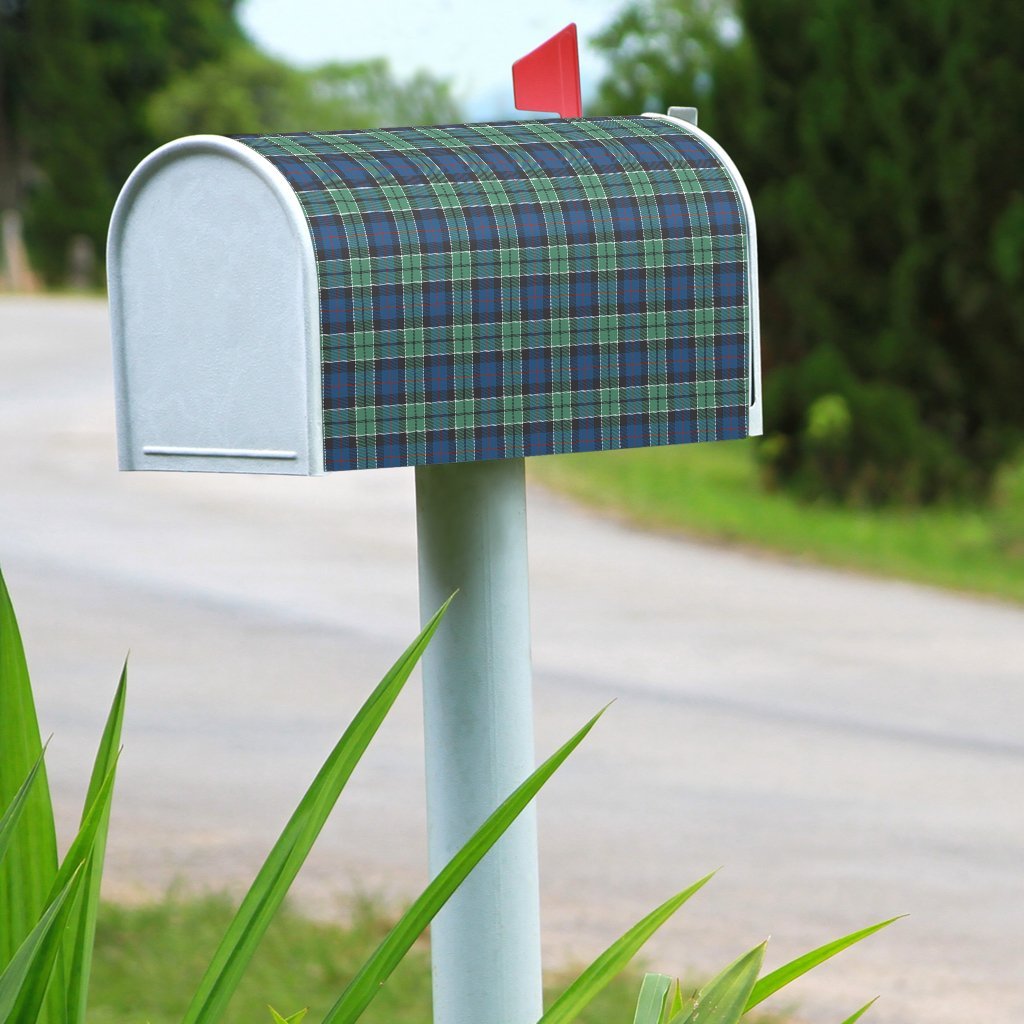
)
(481, 291)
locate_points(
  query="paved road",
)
(846, 748)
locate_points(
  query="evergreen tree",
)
(88, 87)
(75, 81)
(881, 142)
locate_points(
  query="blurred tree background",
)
(881, 141)
(89, 87)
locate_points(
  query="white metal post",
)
(478, 711)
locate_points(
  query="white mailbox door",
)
(215, 316)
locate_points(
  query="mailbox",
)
(312, 302)
(454, 298)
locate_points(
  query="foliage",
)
(48, 916)
(725, 999)
(295, 1018)
(249, 91)
(76, 77)
(1008, 512)
(148, 955)
(89, 87)
(48, 909)
(873, 137)
(151, 955)
(735, 991)
(715, 491)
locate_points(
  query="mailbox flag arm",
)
(548, 78)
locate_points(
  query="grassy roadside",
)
(712, 491)
(149, 959)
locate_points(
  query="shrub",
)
(873, 138)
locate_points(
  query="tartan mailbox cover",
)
(345, 300)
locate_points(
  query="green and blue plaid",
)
(525, 288)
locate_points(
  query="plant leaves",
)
(853, 1018)
(30, 866)
(84, 843)
(782, 976)
(17, 805)
(723, 999)
(594, 978)
(676, 1003)
(372, 975)
(25, 979)
(295, 1018)
(82, 929)
(651, 1002)
(73, 866)
(282, 864)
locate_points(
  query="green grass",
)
(150, 958)
(714, 492)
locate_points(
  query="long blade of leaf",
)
(282, 864)
(73, 866)
(17, 805)
(782, 976)
(651, 1003)
(723, 1000)
(572, 1001)
(82, 930)
(84, 843)
(26, 976)
(675, 1006)
(853, 1018)
(28, 870)
(372, 975)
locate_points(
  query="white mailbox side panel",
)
(214, 315)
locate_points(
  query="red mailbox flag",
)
(548, 78)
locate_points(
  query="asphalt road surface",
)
(845, 748)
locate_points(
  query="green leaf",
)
(84, 843)
(17, 805)
(24, 981)
(282, 864)
(569, 1004)
(651, 1003)
(73, 866)
(295, 1018)
(860, 1013)
(372, 975)
(82, 930)
(723, 1000)
(676, 1004)
(771, 983)
(30, 866)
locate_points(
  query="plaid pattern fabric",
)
(524, 288)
